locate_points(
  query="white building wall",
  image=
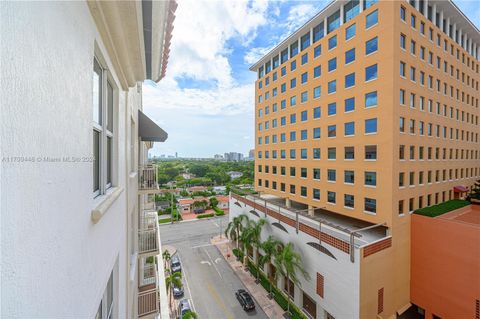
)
(55, 262)
(341, 276)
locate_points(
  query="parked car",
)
(183, 307)
(175, 264)
(246, 301)
(177, 291)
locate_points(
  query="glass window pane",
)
(109, 107)
(96, 160)
(97, 92)
(109, 160)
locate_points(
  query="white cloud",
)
(255, 54)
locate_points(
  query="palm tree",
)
(171, 280)
(166, 258)
(235, 227)
(271, 247)
(256, 232)
(190, 315)
(246, 237)
(288, 263)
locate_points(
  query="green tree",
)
(271, 248)
(166, 258)
(235, 227)
(256, 237)
(190, 315)
(213, 202)
(288, 263)
(173, 280)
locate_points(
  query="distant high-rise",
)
(233, 157)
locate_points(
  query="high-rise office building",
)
(367, 112)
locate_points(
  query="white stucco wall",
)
(55, 263)
(341, 277)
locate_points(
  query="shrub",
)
(218, 211)
(442, 208)
(205, 216)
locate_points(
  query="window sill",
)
(102, 203)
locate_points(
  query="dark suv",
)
(245, 300)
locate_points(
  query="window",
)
(333, 22)
(371, 46)
(316, 194)
(303, 191)
(351, 10)
(332, 108)
(371, 19)
(332, 153)
(283, 71)
(332, 42)
(350, 31)
(401, 153)
(349, 201)
(413, 47)
(368, 3)
(317, 71)
(349, 80)
(316, 153)
(293, 136)
(332, 131)
(304, 58)
(303, 153)
(293, 65)
(317, 112)
(402, 41)
(349, 56)
(332, 64)
(371, 99)
(318, 32)
(317, 51)
(305, 41)
(293, 100)
(293, 83)
(284, 57)
(402, 97)
(349, 153)
(331, 175)
(349, 128)
(293, 49)
(402, 68)
(304, 77)
(293, 118)
(316, 173)
(304, 97)
(316, 92)
(303, 135)
(331, 197)
(349, 177)
(402, 13)
(370, 152)
(371, 126)
(349, 105)
(371, 178)
(332, 86)
(402, 124)
(371, 73)
(370, 205)
(103, 130)
(304, 116)
(316, 133)
(413, 21)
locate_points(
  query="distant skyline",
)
(206, 101)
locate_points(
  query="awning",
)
(460, 189)
(148, 130)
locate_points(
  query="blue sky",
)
(206, 101)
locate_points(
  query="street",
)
(209, 282)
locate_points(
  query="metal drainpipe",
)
(352, 247)
(297, 221)
(265, 206)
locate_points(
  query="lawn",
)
(440, 209)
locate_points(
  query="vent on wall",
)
(320, 283)
(380, 301)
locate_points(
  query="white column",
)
(448, 25)
(417, 5)
(360, 3)
(454, 31)
(434, 14)
(341, 13)
(311, 35)
(325, 27)
(441, 20)
(459, 40)
(425, 8)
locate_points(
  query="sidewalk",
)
(269, 306)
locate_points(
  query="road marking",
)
(216, 224)
(215, 266)
(217, 260)
(205, 262)
(200, 246)
(188, 286)
(219, 301)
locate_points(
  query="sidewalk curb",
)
(192, 220)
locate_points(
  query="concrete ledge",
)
(105, 202)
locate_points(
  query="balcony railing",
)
(147, 177)
(147, 220)
(149, 274)
(148, 302)
(148, 241)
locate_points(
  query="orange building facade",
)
(446, 263)
(370, 110)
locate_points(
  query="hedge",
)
(205, 216)
(445, 207)
(281, 299)
(218, 211)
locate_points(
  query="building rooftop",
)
(468, 214)
(442, 208)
